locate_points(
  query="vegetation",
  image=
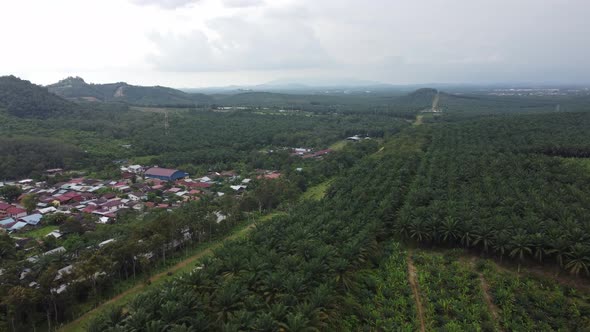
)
(385, 296)
(452, 294)
(501, 177)
(23, 99)
(76, 88)
(494, 185)
(534, 303)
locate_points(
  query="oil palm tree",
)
(520, 245)
(578, 259)
(484, 235)
(449, 229)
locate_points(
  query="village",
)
(41, 207)
(139, 188)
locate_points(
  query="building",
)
(16, 212)
(7, 223)
(32, 219)
(165, 174)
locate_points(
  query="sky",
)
(200, 43)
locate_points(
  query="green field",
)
(39, 233)
(317, 192)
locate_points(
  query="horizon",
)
(215, 43)
(286, 84)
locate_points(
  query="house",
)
(69, 196)
(64, 272)
(137, 196)
(18, 226)
(220, 217)
(47, 210)
(318, 154)
(16, 212)
(301, 151)
(108, 196)
(55, 251)
(165, 174)
(90, 208)
(269, 175)
(354, 138)
(135, 169)
(239, 188)
(55, 234)
(113, 205)
(32, 219)
(7, 223)
(205, 179)
(4, 206)
(203, 185)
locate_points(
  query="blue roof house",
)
(33, 219)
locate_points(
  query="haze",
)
(191, 43)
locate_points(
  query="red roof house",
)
(4, 206)
(16, 212)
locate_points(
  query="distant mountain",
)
(75, 88)
(24, 99)
(312, 86)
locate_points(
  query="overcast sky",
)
(196, 43)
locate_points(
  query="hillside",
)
(24, 99)
(76, 88)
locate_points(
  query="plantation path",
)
(120, 299)
(486, 295)
(412, 278)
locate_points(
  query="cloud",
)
(167, 4)
(240, 44)
(242, 3)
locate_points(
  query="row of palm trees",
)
(568, 249)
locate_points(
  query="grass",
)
(338, 145)
(39, 233)
(584, 162)
(317, 192)
(183, 265)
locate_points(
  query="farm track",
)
(491, 306)
(412, 278)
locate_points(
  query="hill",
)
(75, 88)
(22, 98)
